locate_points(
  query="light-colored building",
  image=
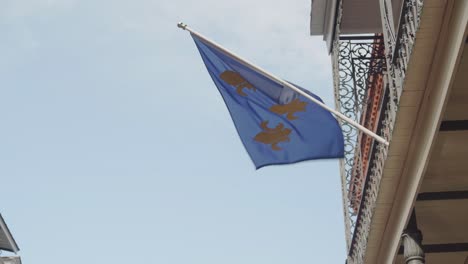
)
(8, 243)
(401, 69)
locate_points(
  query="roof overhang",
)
(358, 17)
(322, 19)
(6, 239)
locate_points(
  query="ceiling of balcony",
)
(447, 169)
(457, 108)
(361, 17)
(442, 204)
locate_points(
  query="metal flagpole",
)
(284, 83)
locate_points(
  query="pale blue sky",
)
(115, 146)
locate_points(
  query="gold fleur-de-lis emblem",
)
(273, 136)
(235, 79)
(289, 109)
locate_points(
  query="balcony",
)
(369, 72)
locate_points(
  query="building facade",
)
(401, 69)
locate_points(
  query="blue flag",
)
(276, 124)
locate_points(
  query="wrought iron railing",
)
(399, 41)
(371, 184)
(359, 63)
(407, 27)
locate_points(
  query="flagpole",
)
(284, 83)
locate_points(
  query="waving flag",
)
(276, 124)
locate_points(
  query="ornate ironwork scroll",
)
(371, 186)
(356, 61)
(408, 25)
(399, 43)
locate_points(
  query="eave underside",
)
(411, 140)
(441, 206)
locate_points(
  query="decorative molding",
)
(412, 249)
(411, 240)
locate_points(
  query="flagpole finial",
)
(181, 25)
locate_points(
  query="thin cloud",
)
(269, 33)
